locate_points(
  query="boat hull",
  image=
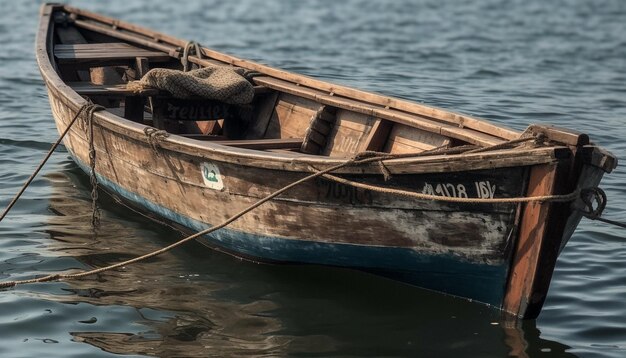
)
(458, 249)
(502, 254)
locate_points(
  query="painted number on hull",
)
(211, 176)
(484, 190)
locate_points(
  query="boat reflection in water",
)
(196, 303)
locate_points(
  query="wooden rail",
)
(145, 37)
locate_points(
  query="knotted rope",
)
(189, 47)
(598, 195)
(90, 108)
(155, 137)
(95, 211)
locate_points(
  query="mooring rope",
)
(559, 198)
(155, 137)
(359, 159)
(588, 196)
(61, 276)
(93, 179)
(90, 108)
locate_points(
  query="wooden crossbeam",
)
(258, 144)
(104, 52)
(91, 89)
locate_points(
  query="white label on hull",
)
(211, 176)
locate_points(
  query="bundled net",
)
(220, 83)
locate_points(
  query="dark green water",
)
(512, 62)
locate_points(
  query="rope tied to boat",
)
(88, 108)
(588, 197)
(379, 158)
(155, 137)
(191, 47)
(66, 276)
(359, 159)
(93, 179)
(594, 212)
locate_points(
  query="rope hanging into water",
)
(61, 276)
(93, 179)
(89, 109)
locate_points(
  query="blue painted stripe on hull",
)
(445, 273)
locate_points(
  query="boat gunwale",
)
(274, 160)
(410, 107)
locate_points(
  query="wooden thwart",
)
(104, 52)
(258, 144)
(91, 89)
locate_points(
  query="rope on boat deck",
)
(359, 159)
(89, 108)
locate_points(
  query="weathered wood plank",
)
(121, 90)
(533, 227)
(104, 52)
(348, 134)
(559, 134)
(291, 117)
(264, 111)
(69, 35)
(378, 135)
(412, 120)
(404, 139)
(258, 144)
(173, 51)
(142, 66)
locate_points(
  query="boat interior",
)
(97, 57)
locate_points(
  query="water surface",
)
(512, 62)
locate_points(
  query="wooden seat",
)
(258, 144)
(133, 100)
(104, 53)
(121, 90)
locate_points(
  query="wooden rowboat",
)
(475, 237)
